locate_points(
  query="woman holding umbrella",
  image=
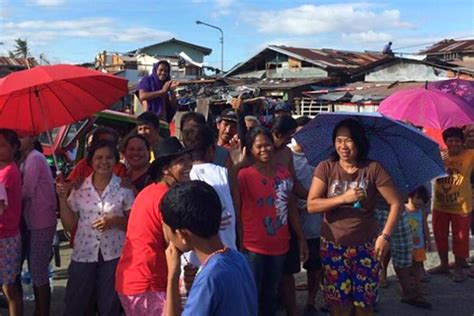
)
(344, 188)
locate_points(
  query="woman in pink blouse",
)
(39, 213)
(10, 239)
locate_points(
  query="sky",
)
(74, 31)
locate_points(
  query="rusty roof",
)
(340, 61)
(16, 62)
(331, 58)
(379, 89)
(449, 46)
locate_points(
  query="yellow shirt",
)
(152, 155)
(453, 194)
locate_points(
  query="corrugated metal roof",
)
(327, 59)
(363, 91)
(331, 58)
(16, 62)
(450, 46)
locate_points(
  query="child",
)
(224, 284)
(420, 231)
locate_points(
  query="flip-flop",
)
(383, 284)
(459, 278)
(464, 266)
(439, 270)
(417, 302)
(301, 287)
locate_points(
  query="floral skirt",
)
(350, 274)
(10, 257)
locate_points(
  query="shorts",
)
(419, 255)
(350, 274)
(292, 260)
(314, 260)
(148, 303)
(10, 259)
(401, 242)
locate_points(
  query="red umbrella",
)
(459, 87)
(427, 108)
(42, 98)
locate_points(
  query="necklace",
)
(210, 256)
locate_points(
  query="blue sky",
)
(74, 31)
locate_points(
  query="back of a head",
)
(453, 132)
(196, 117)
(194, 206)
(105, 130)
(199, 138)
(283, 125)
(303, 120)
(421, 192)
(149, 118)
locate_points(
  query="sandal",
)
(301, 286)
(439, 270)
(459, 277)
(464, 266)
(470, 273)
(383, 284)
(417, 302)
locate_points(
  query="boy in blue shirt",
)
(224, 284)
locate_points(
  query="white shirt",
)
(217, 177)
(115, 200)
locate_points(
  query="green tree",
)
(21, 50)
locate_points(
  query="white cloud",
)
(41, 31)
(313, 19)
(222, 7)
(48, 3)
(41, 34)
(367, 37)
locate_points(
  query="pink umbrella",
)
(459, 87)
(427, 108)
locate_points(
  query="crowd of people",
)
(218, 221)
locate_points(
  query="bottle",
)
(28, 294)
(50, 277)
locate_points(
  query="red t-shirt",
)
(82, 170)
(142, 266)
(10, 176)
(265, 210)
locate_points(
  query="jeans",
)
(267, 271)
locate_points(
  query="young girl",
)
(10, 240)
(419, 225)
(99, 208)
(266, 206)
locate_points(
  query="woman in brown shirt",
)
(352, 244)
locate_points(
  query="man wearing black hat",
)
(227, 127)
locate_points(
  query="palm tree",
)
(21, 50)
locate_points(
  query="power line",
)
(424, 44)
